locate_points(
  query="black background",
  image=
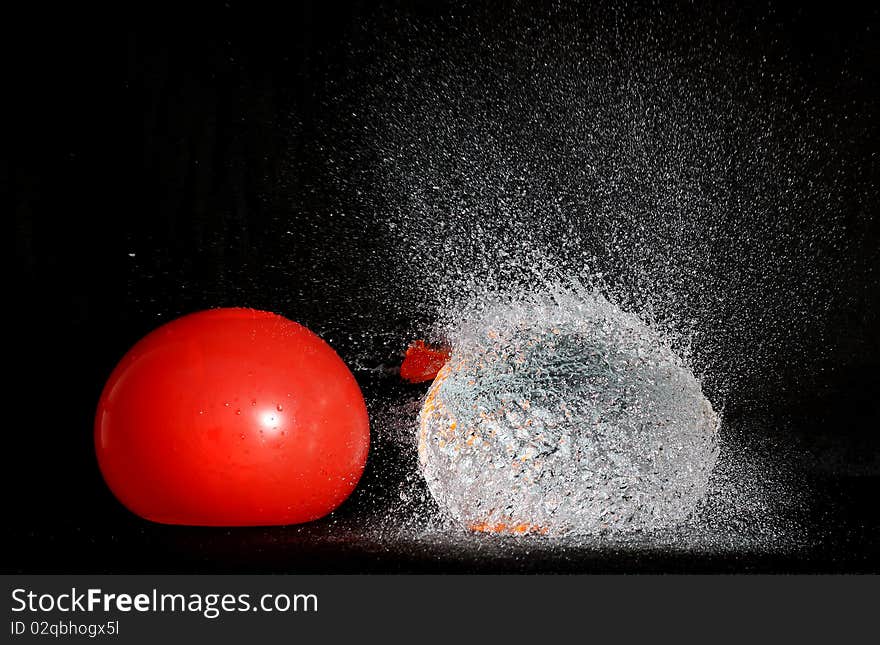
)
(110, 114)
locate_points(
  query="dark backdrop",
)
(147, 158)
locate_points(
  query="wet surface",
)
(776, 504)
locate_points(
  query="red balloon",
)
(231, 417)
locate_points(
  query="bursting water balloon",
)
(566, 416)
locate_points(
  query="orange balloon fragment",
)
(513, 529)
(422, 362)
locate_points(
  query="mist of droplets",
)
(648, 152)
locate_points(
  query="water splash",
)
(672, 161)
(562, 414)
